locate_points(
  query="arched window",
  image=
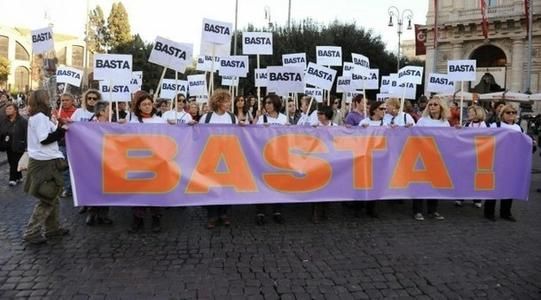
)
(22, 77)
(4, 46)
(20, 52)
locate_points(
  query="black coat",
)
(16, 131)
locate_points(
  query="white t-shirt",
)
(215, 118)
(370, 122)
(39, 127)
(429, 122)
(480, 124)
(152, 120)
(388, 119)
(281, 119)
(308, 120)
(182, 116)
(81, 115)
(330, 124)
(514, 127)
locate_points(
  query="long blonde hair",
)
(445, 113)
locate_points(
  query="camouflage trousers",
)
(45, 217)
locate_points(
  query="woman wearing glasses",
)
(435, 114)
(86, 111)
(507, 120)
(181, 116)
(273, 105)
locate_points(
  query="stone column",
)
(457, 54)
(429, 65)
(517, 63)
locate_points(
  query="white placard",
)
(261, 77)
(282, 79)
(319, 76)
(234, 66)
(257, 43)
(351, 95)
(317, 94)
(348, 68)
(371, 81)
(202, 99)
(136, 81)
(344, 84)
(230, 81)
(218, 50)
(42, 40)
(385, 83)
(114, 67)
(440, 83)
(461, 70)
(197, 85)
(204, 63)
(361, 62)
(69, 75)
(216, 32)
(294, 60)
(411, 74)
(118, 92)
(329, 55)
(170, 54)
(407, 89)
(380, 97)
(170, 89)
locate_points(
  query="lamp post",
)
(406, 14)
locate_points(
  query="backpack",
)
(209, 115)
(468, 124)
(265, 119)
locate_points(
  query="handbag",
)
(23, 162)
(4, 142)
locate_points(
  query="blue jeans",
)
(66, 174)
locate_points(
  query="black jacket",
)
(17, 133)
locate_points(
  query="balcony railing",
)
(494, 12)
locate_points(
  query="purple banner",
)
(181, 165)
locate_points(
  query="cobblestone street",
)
(462, 257)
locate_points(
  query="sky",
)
(180, 20)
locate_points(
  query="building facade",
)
(24, 70)
(502, 58)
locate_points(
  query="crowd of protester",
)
(39, 131)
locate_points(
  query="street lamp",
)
(408, 15)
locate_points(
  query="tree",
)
(4, 69)
(118, 25)
(97, 35)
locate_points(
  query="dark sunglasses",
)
(382, 108)
(510, 112)
(91, 98)
(433, 104)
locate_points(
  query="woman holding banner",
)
(356, 115)
(476, 119)
(99, 214)
(507, 120)
(435, 114)
(273, 105)
(395, 118)
(319, 210)
(83, 114)
(220, 103)
(376, 113)
(308, 112)
(45, 165)
(145, 113)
